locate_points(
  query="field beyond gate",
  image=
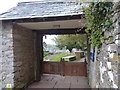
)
(65, 68)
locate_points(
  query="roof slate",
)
(42, 9)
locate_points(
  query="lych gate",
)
(21, 43)
(22, 34)
(51, 26)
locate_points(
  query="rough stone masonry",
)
(104, 72)
(0, 54)
(6, 55)
(16, 55)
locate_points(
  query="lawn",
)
(58, 58)
(46, 53)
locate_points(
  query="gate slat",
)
(65, 68)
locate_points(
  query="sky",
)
(49, 40)
(7, 4)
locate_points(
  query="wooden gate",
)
(65, 68)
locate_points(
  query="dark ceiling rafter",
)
(61, 31)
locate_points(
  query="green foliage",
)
(46, 53)
(98, 16)
(78, 58)
(58, 58)
(71, 41)
(111, 39)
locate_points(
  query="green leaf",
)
(98, 19)
(111, 39)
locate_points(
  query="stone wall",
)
(6, 55)
(103, 72)
(0, 55)
(24, 56)
(16, 55)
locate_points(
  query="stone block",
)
(112, 48)
(113, 57)
(117, 37)
(109, 65)
(117, 42)
(116, 30)
(107, 34)
(103, 56)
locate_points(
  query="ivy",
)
(111, 39)
(98, 16)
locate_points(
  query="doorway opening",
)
(55, 47)
(65, 54)
(58, 71)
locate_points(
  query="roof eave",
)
(45, 18)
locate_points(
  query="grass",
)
(58, 58)
(77, 58)
(46, 53)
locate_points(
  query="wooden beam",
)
(39, 55)
(62, 31)
(35, 55)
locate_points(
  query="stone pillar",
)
(23, 56)
(16, 55)
(6, 54)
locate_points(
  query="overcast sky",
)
(7, 4)
(49, 40)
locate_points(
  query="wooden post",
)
(35, 54)
(39, 55)
(62, 67)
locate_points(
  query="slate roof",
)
(42, 9)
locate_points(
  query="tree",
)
(71, 41)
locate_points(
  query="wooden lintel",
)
(62, 31)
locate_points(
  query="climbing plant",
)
(98, 16)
